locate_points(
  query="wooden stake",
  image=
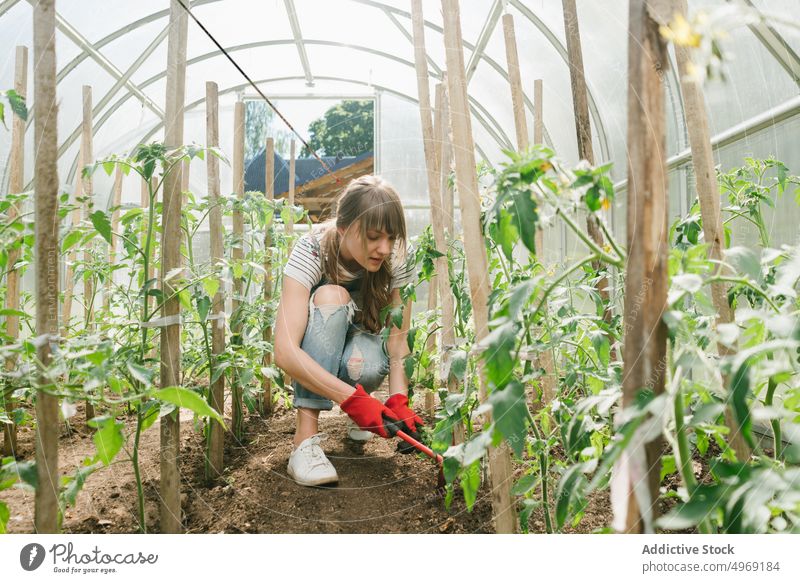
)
(645, 348)
(216, 460)
(432, 164)
(545, 358)
(287, 380)
(46, 257)
(69, 272)
(477, 263)
(292, 178)
(88, 194)
(584, 133)
(538, 113)
(269, 193)
(116, 200)
(16, 184)
(445, 216)
(237, 255)
(708, 193)
(171, 259)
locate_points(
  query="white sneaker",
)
(355, 433)
(308, 464)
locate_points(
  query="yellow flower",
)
(546, 167)
(606, 204)
(680, 32)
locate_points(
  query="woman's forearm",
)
(308, 372)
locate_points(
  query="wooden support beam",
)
(69, 271)
(645, 348)
(505, 519)
(237, 254)
(538, 112)
(171, 259)
(116, 200)
(432, 165)
(46, 257)
(87, 147)
(445, 218)
(269, 193)
(16, 183)
(583, 128)
(292, 178)
(521, 129)
(287, 380)
(694, 107)
(216, 461)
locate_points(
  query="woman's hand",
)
(370, 414)
(398, 403)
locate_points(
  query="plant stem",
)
(776, 423)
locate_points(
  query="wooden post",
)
(69, 272)
(545, 358)
(289, 227)
(708, 193)
(645, 348)
(217, 234)
(46, 256)
(171, 259)
(584, 129)
(432, 165)
(538, 112)
(116, 200)
(16, 184)
(88, 194)
(269, 193)
(446, 165)
(292, 178)
(237, 254)
(477, 263)
(445, 217)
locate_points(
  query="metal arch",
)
(777, 46)
(70, 32)
(602, 138)
(291, 13)
(157, 127)
(528, 103)
(100, 122)
(483, 38)
(387, 9)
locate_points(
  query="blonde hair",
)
(375, 205)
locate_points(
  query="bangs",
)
(383, 213)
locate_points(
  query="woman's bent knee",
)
(331, 295)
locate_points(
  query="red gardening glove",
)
(398, 403)
(370, 414)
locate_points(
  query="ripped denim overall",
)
(344, 349)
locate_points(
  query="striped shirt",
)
(305, 266)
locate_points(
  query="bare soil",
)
(379, 489)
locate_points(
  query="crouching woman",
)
(338, 279)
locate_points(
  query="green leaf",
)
(185, 398)
(150, 413)
(108, 438)
(17, 103)
(71, 239)
(746, 262)
(510, 414)
(102, 224)
(141, 374)
(4, 516)
(525, 484)
(566, 491)
(211, 285)
(203, 307)
(740, 388)
(11, 312)
(601, 346)
(470, 482)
